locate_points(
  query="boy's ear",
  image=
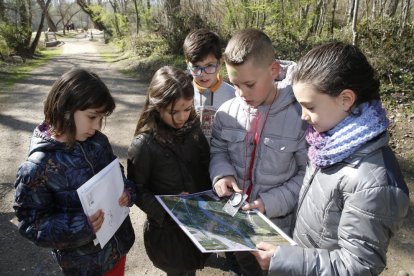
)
(348, 99)
(275, 67)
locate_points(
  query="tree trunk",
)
(39, 29)
(354, 23)
(94, 17)
(114, 5)
(3, 16)
(137, 16)
(392, 8)
(350, 10)
(404, 16)
(333, 18)
(49, 20)
(24, 10)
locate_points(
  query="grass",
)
(12, 73)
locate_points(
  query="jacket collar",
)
(213, 88)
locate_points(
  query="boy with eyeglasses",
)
(203, 55)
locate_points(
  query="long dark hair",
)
(336, 66)
(168, 85)
(77, 89)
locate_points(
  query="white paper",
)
(103, 191)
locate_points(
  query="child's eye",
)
(250, 85)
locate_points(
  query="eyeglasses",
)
(197, 70)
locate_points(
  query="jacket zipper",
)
(86, 158)
(305, 192)
(311, 241)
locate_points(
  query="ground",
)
(21, 109)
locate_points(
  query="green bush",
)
(14, 37)
(391, 53)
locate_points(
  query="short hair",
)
(336, 66)
(77, 89)
(249, 44)
(168, 85)
(200, 43)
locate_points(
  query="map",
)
(202, 218)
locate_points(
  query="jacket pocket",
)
(235, 139)
(277, 156)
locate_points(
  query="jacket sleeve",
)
(369, 219)
(140, 167)
(39, 218)
(282, 199)
(220, 164)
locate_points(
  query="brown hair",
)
(200, 43)
(168, 85)
(249, 44)
(77, 89)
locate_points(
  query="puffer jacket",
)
(164, 168)
(168, 168)
(280, 160)
(48, 207)
(347, 214)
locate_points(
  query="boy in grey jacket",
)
(258, 146)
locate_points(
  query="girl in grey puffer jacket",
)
(354, 196)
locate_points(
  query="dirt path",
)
(21, 110)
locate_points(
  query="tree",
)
(404, 16)
(392, 8)
(354, 23)
(96, 19)
(138, 17)
(39, 29)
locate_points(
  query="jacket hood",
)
(41, 140)
(380, 141)
(283, 84)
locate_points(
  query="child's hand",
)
(226, 186)
(264, 255)
(96, 220)
(124, 200)
(257, 204)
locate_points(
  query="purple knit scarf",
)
(345, 138)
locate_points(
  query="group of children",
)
(306, 142)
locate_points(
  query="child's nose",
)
(305, 115)
(97, 125)
(181, 116)
(242, 93)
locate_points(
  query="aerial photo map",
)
(202, 218)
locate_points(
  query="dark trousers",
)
(248, 264)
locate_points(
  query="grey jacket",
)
(280, 160)
(346, 216)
